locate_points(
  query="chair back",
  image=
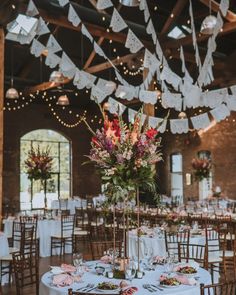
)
(227, 288)
(26, 270)
(195, 252)
(67, 225)
(98, 248)
(172, 240)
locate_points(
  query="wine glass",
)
(77, 260)
(130, 271)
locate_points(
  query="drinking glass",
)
(77, 260)
(130, 271)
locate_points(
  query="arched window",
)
(59, 185)
(176, 170)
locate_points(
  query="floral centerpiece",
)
(39, 167)
(39, 164)
(202, 168)
(124, 156)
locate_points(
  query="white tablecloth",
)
(46, 228)
(151, 277)
(4, 251)
(156, 245)
(69, 204)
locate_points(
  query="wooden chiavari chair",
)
(65, 238)
(98, 248)
(26, 270)
(227, 288)
(26, 245)
(193, 252)
(30, 221)
(173, 239)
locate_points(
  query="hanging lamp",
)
(63, 100)
(130, 3)
(209, 23)
(12, 93)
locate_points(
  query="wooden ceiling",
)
(169, 13)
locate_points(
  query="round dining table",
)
(150, 277)
(4, 251)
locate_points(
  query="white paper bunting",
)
(97, 94)
(86, 33)
(117, 22)
(125, 92)
(224, 6)
(67, 67)
(116, 107)
(201, 121)
(179, 126)
(214, 98)
(151, 31)
(220, 113)
(157, 123)
(73, 16)
(63, 2)
(133, 43)
(52, 60)
(192, 97)
(169, 76)
(83, 79)
(148, 96)
(31, 9)
(233, 89)
(231, 102)
(172, 100)
(104, 4)
(42, 28)
(52, 45)
(107, 86)
(37, 48)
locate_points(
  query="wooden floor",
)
(44, 266)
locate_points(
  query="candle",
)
(110, 274)
(139, 274)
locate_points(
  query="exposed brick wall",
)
(220, 140)
(17, 124)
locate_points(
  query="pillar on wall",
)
(2, 41)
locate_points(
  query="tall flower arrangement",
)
(202, 168)
(124, 155)
(39, 164)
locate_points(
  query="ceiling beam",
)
(93, 54)
(175, 13)
(230, 16)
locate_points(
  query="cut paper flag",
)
(157, 123)
(67, 67)
(104, 4)
(192, 97)
(201, 121)
(220, 113)
(73, 16)
(231, 102)
(117, 22)
(125, 92)
(52, 60)
(215, 98)
(52, 45)
(37, 48)
(32, 9)
(97, 94)
(172, 100)
(116, 107)
(86, 33)
(148, 96)
(233, 89)
(42, 28)
(99, 50)
(83, 79)
(107, 86)
(146, 14)
(169, 76)
(63, 2)
(151, 31)
(133, 43)
(150, 61)
(224, 6)
(179, 126)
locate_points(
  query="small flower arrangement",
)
(39, 164)
(124, 155)
(173, 219)
(202, 168)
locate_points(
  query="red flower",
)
(151, 133)
(95, 141)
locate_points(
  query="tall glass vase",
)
(45, 193)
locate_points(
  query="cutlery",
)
(89, 288)
(84, 287)
(157, 287)
(148, 288)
